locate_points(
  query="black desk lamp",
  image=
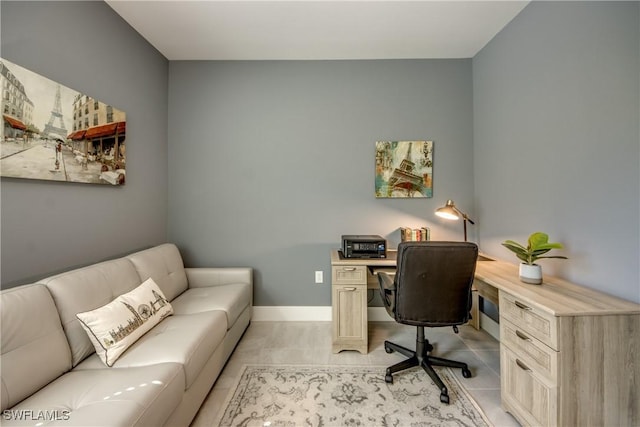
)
(449, 211)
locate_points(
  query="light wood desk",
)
(569, 355)
(349, 277)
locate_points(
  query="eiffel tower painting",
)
(50, 130)
(404, 169)
(83, 140)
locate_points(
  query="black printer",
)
(364, 246)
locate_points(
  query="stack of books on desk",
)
(414, 234)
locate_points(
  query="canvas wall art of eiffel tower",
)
(404, 169)
(52, 132)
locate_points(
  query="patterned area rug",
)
(276, 395)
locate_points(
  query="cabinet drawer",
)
(349, 308)
(530, 320)
(539, 357)
(532, 399)
(349, 318)
(347, 275)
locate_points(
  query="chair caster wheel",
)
(388, 379)
(444, 398)
(466, 373)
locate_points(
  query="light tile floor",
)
(309, 343)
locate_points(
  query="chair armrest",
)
(388, 292)
(386, 282)
(204, 277)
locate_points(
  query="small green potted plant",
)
(537, 246)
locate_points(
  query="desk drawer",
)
(530, 320)
(527, 395)
(349, 275)
(539, 357)
(486, 291)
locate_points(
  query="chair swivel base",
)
(421, 358)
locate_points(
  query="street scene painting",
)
(404, 169)
(52, 132)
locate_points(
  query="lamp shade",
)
(448, 211)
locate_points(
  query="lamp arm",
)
(464, 215)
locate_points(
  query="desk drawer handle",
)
(349, 269)
(522, 365)
(349, 289)
(522, 336)
(522, 306)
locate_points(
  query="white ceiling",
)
(304, 29)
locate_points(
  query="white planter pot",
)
(531, 274)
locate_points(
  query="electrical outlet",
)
(319, 278)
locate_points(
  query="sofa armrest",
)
(204, 277)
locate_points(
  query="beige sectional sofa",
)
(52, 375)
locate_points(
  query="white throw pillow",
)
(116, 326)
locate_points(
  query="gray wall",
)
(556, 139)
(50, 226)
(271, 162)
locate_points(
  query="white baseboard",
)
(308, 313)
(323, 314)
(291, 313)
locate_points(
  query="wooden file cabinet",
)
(528, 362)
(350, 279)
(349, 308)
(568, 354)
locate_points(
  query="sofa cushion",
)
(142, 396)
(189, 340)
(86, 289)
(164, 265)
(33, 345)
(233, 299)
(112, 328)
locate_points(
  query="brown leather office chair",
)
(432, 288)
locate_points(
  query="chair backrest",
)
(433, 282)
